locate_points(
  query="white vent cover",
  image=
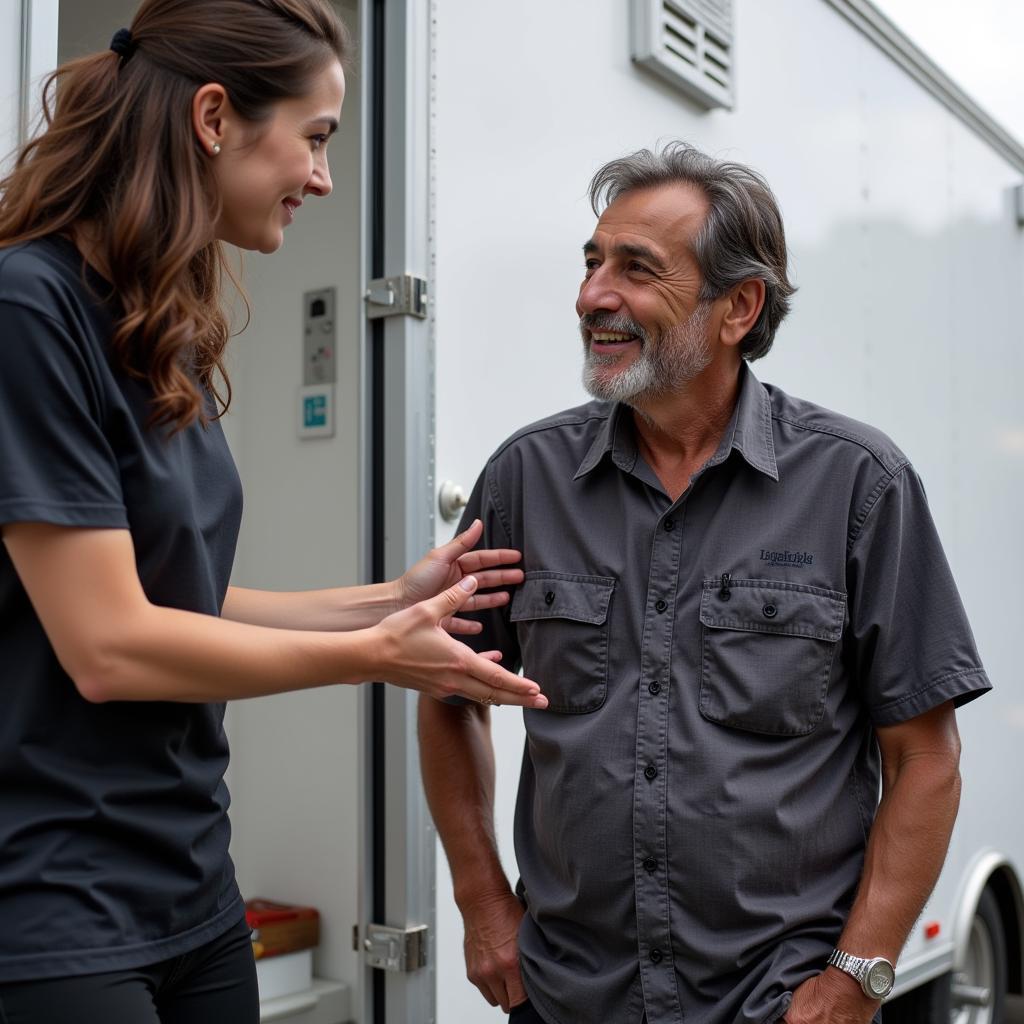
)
(689, 43)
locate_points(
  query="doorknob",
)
(451, 500)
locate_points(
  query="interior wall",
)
(293, 777)
(295, 780)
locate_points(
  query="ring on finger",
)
(489, 700)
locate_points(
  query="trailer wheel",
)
(927, 1004)
(979, 990)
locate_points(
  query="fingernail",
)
(468, 582)
(540, 702)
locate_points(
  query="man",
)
(739, 610)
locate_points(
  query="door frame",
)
(396, 54)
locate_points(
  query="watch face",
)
(880, 978)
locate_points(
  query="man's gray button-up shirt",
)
(694, 804)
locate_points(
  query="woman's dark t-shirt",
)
(113, 817)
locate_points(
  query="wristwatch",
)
(876, 975)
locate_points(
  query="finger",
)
(462, 627)
(485, 991)
(492, 987)
(481, 602)
(497, 678)
(488, 557)
(450, 600)
(498, 577)
(462, 543)
(514, 986)
(510, 988)
(496, 686)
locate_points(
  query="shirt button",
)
(770, 611)
(654, 687)
(660, 606)
(650, 864)
(650, 772)
(656, 956)
(670, 525)
(549, 597)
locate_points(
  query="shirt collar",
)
(751, 427)
(615, 436)
(749, 432)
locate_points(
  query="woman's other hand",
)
(413, 650)
(445, 566)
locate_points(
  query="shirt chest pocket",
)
(767, 652)
(561, 620)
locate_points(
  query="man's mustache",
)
(611, 322)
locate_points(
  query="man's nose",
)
(598, 294)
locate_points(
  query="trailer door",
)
(395, 55)
(28, 50)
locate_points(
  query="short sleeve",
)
(912, 644)
(498, 633)
(56, 465)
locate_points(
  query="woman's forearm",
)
(167, 654)
(333, 610)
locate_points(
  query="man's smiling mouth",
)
(611, 337)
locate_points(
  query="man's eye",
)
(638, 267)
(590, 265)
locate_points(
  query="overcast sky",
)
(978, 43)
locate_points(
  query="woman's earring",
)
(215, 148)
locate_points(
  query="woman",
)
(119, 505)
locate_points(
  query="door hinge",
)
(396, 949)
(396, 296)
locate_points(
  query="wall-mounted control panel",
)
(319, 338)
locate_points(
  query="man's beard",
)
(679, 356)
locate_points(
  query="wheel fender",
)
(981, 868)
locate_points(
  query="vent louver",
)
(688, 43)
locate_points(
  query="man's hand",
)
(492, 948)
(831, 997)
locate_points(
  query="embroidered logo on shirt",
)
(787, 557)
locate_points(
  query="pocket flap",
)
(557, 595)
(773, 606)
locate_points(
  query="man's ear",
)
(742, 308)
(211, 110)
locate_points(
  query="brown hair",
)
(119, 154)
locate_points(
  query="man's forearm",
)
(908, 840)
(457, 760)
(905, 851)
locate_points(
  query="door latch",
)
(405, 295)
(396, 949)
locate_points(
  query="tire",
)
(926, 1004)
(984, 968)
(943, 999)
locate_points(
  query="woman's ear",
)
(211, 110)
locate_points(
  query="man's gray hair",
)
(742, 237)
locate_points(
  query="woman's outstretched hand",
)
(415, 651)
(443, 567)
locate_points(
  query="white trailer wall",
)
(904, 245)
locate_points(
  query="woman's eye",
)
(319, 141)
